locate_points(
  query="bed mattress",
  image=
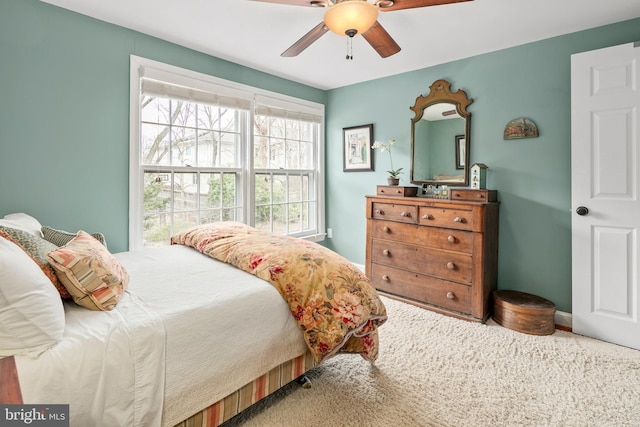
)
(189, 331)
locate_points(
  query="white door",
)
(605, 159)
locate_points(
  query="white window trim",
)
(143, 67)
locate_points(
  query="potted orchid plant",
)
(393, 178)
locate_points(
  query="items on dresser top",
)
(437, 254)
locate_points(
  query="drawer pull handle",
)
(451, 295)
(385, 229)
(379, 211)
(386, 252)
(451, 265)
(427, 216)
(406, 214)
(385, 278)
(451, 239)
(458, 219)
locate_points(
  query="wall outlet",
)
(329, 233)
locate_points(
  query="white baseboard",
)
(359, 266)
(563, 319)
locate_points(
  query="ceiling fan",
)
(351, 17)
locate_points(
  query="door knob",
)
(582, 211)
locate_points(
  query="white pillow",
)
(24, 222)
(31, 311)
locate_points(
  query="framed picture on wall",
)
(357, 150)
(460, 151)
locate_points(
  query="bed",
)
(190, 338)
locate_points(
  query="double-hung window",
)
(285, 145)
(203, 150)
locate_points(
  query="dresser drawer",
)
(393, 212)
(475, 195)
(440, 238)
(396, 190)
(429, 261)
(430, 290)
(461, 219)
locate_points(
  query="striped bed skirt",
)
(249, 394)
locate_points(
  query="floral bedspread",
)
(334, 304)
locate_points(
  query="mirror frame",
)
(440, 92)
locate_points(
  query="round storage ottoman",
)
(524, 312)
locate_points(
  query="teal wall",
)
(532, 176)
(64, 113)
(64, 132)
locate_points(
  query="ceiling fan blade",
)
(291, 2)
(411, 4)
(306, 40)
(381, 41)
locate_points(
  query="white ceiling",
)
(253, 33)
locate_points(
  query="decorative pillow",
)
(31, 312)
(61, 238)
(37, 248)
(44, 266)
(93, 277)
(23, 222)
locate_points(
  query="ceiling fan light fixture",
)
(351, 17)
(383, 4)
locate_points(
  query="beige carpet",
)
(434, 370)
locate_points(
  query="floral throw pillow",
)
(94, 278)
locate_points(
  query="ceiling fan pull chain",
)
(349, 49)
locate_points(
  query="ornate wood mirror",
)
(440, 137)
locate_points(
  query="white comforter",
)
(189, 331)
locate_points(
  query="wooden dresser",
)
(438, 254)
